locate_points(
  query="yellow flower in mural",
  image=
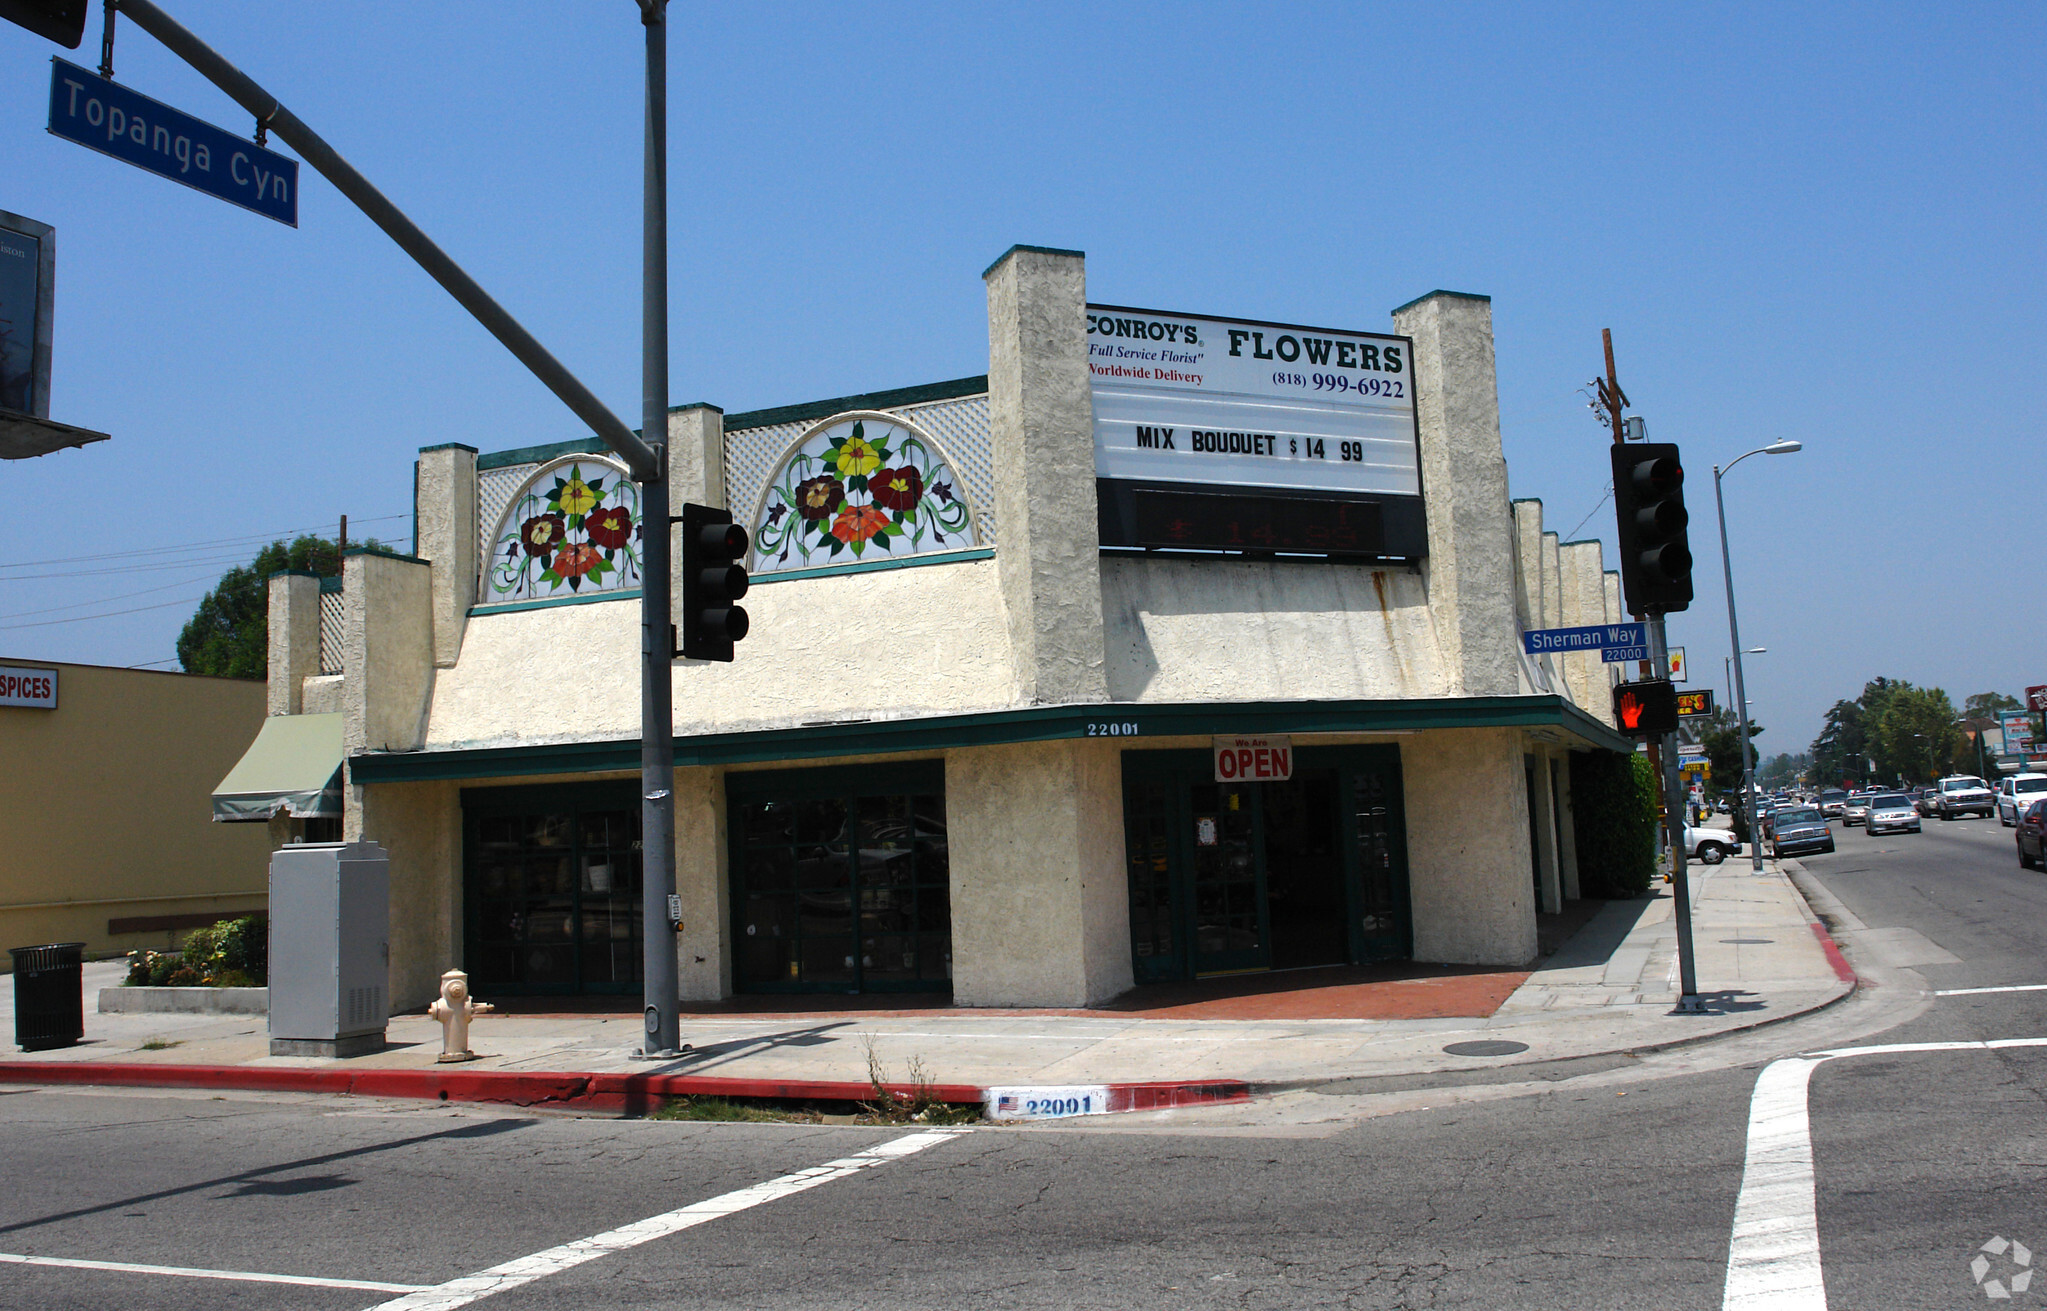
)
(575, 496)
(858, 458)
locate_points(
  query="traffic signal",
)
(1645, 709)
(62, 21)
(712, 579)
(1649, 502)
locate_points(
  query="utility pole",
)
(661, 912)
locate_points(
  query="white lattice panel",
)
(961, 427)
(330, 632)
(495, 489)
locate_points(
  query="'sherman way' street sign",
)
(1614, 642)
(108, 117)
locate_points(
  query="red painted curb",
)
(1842, 969)
(595, 1092)
(613, 1093)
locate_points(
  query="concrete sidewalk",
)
(1611, 987)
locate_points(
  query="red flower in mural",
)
(896, 489)
(542, 534)
(575, 561)
(610, 528)
(857, 523)
(817, 497)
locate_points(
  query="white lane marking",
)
(526, 1269)
(188, 1272)
(1773, 1259)
(2009, 987)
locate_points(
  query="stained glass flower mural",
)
(572, 530)
(859, 484)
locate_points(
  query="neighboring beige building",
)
(971, 744)
(106, 823)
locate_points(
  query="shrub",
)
(1615, 817)
(229, 954)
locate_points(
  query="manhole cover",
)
(1486, 1047)
(1747, 942)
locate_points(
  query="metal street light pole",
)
(1734, 635)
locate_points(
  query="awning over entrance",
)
(293, 766)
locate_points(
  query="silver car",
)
(1856, 809)
(1890, 812)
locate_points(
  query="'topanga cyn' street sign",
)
(108, 117)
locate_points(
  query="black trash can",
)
(49, 995)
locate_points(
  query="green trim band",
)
(542, 454)
(867, 566)
(507, 607)
(1123, 721)
(382, 552)
(874, 400)
(1033, 250)
(449, 446)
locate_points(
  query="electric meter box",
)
(330, 948)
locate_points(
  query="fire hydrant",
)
(454, 1010)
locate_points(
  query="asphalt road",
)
(1617, 1189)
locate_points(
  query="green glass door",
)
(1228, 879)
(551, 889)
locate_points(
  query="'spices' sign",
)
(34, 688)
(1254, 759)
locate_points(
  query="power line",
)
(103, 600)
(1573, 534)
(79, 619)
(186, 547)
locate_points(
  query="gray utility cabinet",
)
(330, 948)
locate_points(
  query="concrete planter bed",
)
(185, 1001)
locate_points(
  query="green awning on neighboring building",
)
(293, 767)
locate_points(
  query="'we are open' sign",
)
(1254, 759)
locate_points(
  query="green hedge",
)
(1614, 809)
(230, 954)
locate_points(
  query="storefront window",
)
(553, 895)
(841, 883)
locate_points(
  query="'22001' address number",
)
(1112, 730)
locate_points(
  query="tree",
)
(1721, 737)
(228, 636)
(1914, 736)
(1838, 753)
(1989, 705)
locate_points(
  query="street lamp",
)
(1734, 633)
(1726, 668)
(1982, 768)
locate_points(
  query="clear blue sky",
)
(1811, 222)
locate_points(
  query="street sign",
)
(1675, 671)
(1691, 705)
(2036, 697)
(1618, 655)
(1692, 753)
(1597, 637)
(105, 116)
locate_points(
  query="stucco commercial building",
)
(105, 832)
(1006, 633)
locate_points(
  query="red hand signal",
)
(1631, 710)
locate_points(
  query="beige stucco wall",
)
(1188, 630)
(924, 640)
(703, 955)
(1471, 885)
(1040, 899)
(106, 806)
(420, 826)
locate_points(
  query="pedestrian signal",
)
(1646, 709)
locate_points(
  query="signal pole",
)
(1662, 750)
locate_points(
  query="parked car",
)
(1964, 794)
(1802, 829)
(1924, 799)
(2032, 836)
(1890, 812)
(2014, 794)
(1710, 846)
(1831, 802)
(1856, 809)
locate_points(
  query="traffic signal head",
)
(62, 21)
(712, 580)
(1649, 505)
(1645, 709)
